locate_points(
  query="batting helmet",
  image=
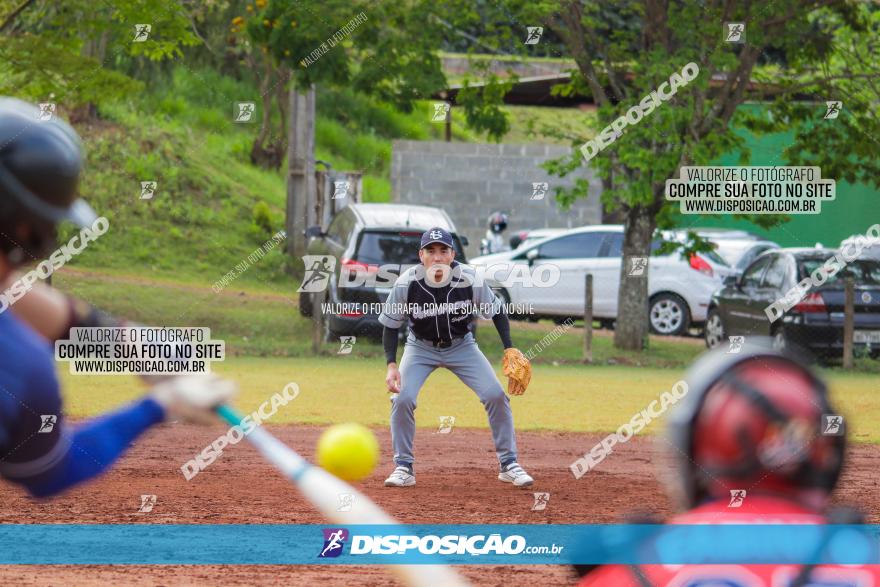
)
(754, 421)
(40, 163)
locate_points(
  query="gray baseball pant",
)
(465, 359)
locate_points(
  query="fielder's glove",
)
(193, 397)
(518, 370)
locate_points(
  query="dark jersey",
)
(439, 312)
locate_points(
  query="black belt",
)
(440, 344)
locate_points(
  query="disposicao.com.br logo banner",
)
(447, 544)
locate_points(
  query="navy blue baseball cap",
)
(436, 235)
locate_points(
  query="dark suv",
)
(815, 323)
(365, 239)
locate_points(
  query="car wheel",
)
(779, 341)
(305, 305)
(606, 324)
(330, 335)
(502, 294)
(669, 315)
(713, 332)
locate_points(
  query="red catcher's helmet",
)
(754, 421)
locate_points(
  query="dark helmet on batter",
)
(497, 222)
(757, 420)
(40, 162)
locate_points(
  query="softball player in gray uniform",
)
(439, 299)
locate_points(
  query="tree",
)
(381, 49)
(66, 52)
(625, 50)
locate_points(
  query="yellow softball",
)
(349, 451)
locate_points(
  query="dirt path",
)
(456, 484)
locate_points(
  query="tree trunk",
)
(265, 152)
(631, 331)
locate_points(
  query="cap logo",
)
(436, 234)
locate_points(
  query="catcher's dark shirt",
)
(439, 313)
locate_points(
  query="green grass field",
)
(572, 398)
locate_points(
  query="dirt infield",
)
(457, 484)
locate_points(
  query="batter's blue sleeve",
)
(87, 452)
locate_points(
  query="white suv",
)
(679, 290)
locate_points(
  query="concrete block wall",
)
(471, 180)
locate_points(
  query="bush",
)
(262, 217)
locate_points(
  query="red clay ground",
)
(457, 484)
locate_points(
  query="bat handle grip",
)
(229, 415)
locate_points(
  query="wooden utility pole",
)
(301, 169)
(848, 322)
(588, 319)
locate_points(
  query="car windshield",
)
(715, 258)
(733, 251)
(681, 238)
(402, 248)
(863, 272)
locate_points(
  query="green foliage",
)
(262, 218)
(482, 105)
(61, 51)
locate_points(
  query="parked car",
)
(528, 237)
(815, 323)
(679, 289)
(739, 253)
(726, 233)
(362, 237)
(870, 247)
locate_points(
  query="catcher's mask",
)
(40, 164)
(754, 421)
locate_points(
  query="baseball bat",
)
(321, 489)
